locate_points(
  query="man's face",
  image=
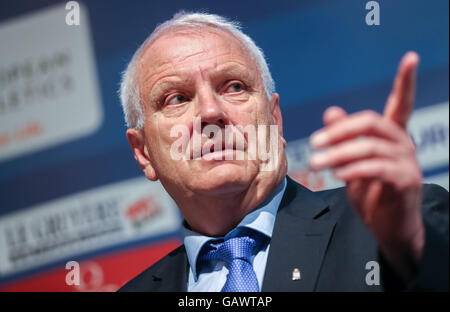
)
(206, 74)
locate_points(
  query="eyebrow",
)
(169, 83)
(173, 80)
(235, 69)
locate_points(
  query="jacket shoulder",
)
(435, 198)
(158, 276)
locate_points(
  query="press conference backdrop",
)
(70, 189)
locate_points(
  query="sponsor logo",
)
(95, 274)
(70, 226)
(48, 86)
(143, 210)
(429, 129)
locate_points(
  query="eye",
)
(234, 88)
(176, 100)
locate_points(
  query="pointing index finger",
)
(401, 100)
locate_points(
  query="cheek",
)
(248, 114)
(159, 134)
(242, 117)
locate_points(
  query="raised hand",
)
(376, 158)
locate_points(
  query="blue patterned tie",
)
(237, 253)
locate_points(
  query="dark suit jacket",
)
(320, 234)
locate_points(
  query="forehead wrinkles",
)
(171, 67)
(158, 61)
(171, 73)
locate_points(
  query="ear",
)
(136, 138)
(276, 113)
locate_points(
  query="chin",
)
(223, 178)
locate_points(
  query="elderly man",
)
(249, 227)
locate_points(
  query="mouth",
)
(219, 151)
(226, 154)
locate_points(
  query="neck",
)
(217, 215)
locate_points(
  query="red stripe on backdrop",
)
(103, 273)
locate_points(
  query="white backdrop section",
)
(429, 128)
(48, 82)
(99, 218)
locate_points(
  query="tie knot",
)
(236, 252)
(240, 247)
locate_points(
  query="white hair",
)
(129, 88)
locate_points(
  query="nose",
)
(210, 109)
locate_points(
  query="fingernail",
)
(319, 139)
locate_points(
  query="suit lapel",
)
(302, 230)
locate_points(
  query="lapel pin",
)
(296, 274)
